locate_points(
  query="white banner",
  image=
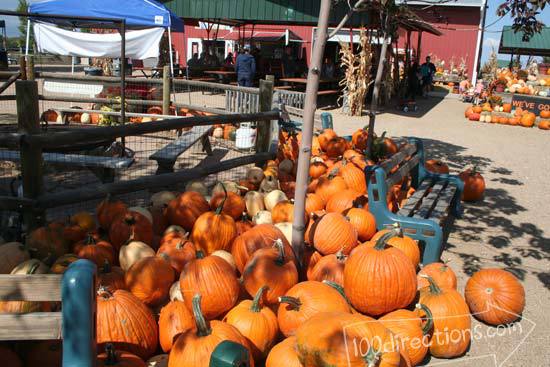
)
(140, 44)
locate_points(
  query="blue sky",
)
(491, 38)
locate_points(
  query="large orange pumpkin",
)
(234, 204)
(335, 147)
(305, 300)
(256, 322)
(329, 267)
(331, 233)
(495, 296)
(325, 136)
(272, 268)
(179, 250)
(359, 139)
(108, 210)
(96, 251)
(514, 121)
(468, 112)
(175, 318)
(317, 169)
(313, 203)
(214, 231)
(284, 354)
(507, 107)
(451, 319)
(283, 211)
(363, 221)
(260, 236)
(436, 166)
(215, 279)
(130, 226)
(110, 277)
(185, 209)
(47, 241)
(441, 274)
(329, 185)
(353, 177)
(474, 185)
(343, 200)
(544, 114)
(125, 321)
(327, 339)
(379, 279)
(410, 331)
(528, 120)
(150, 278)
(115, 358)
(404, 243)
(195, 346)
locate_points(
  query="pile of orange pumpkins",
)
(202, 266)
(520, 117)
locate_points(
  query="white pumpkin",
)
(286, 166)
(197, 186)
(269, 184)
(132, 252)
(255, 175)
(176, 228)
(262, 217)
(146, 119)
(227, 257)
(273, 198)
(254, 202)
(85, 118)
(32, 266)
(286, 228)
(218, 133)
(175, 292)
(146, 213)
(161, 199)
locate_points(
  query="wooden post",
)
(310, 105)
(166, 90)
(270, 78)
(23, 67)
(30, 67)
(31, 156)
(418, 45)
(263, 139)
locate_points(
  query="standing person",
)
(328, 70)
(413, 81)
(289, 63)
(245, 67)
(228, 60)
(428, 71)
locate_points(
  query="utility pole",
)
(479, 48)
(302, 173)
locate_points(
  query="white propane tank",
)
(245, 137)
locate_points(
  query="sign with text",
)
(531, 103)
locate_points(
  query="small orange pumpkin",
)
(544, 124)
(474, 185)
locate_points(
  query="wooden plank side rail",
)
(36, 287)
(74, 160)
(31, 326)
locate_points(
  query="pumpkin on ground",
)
(412, 334)
(305, 300)
(369, 271)
(195, 346)
(116, 358)
(441, 274)
(256, 322)
(175, 318)
(214, 278)
(528, 120)
(451, 319)
(186, 208)
(327, 339)
(544, 124)
(214, 230)
(329, 267)
(150, 278)
(260, 236)
(495, 296)
(125, 321)
(474, 185)
(270, 267)
(437, 166)
(284, 354)
(331, 233)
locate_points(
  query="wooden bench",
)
(76, 322)
(103, 167)
(429, 213)
(166, 157)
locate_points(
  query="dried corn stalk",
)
(357, 73)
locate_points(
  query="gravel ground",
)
(509, 229)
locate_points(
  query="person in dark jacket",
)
(245, 67)
(413, 80)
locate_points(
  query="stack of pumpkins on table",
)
(203, 266)
(504, 115)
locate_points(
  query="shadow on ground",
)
(489, 223)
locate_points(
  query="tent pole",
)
(123, 77)
(28, 37)
(172, 66)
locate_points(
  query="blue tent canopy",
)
(138, 13)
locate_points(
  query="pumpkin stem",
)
(165, 256)
(203, 328)
(257, 298)
(33, 267)
(333, 173)
(434, 288)
(372, 357)
(130, 219)
(180, 244)
(382, 241)
(429, 318)
(340, 256)
(104, 292)
(220, 207)
(112, 358)
(106, 267)
(199, 254)
(244, 217)
(278, 244)
(90, 240)
(338, 287)
(293, 302)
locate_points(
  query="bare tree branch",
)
(345, 19)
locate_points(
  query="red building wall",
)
(458, 24)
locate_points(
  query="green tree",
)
(23, 7)
(524, 13)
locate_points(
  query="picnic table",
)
(153, 72)
(303, 81)
(223, 75)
